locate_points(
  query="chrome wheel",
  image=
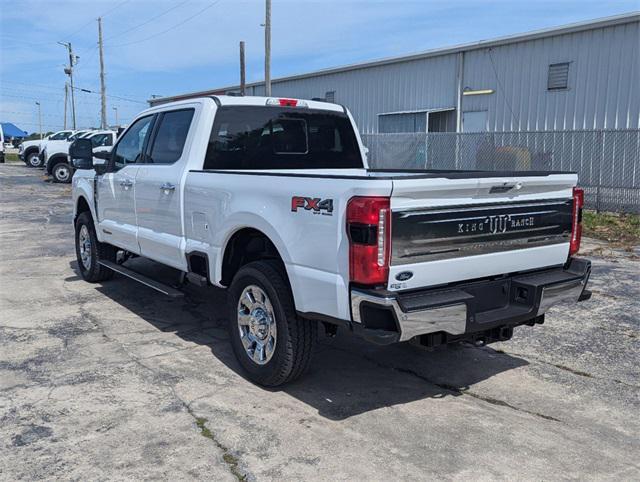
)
(84, 243)
(257, 324)
(62, 173)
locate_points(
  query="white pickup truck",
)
(56, 155)
(29, 151)
(273, 200)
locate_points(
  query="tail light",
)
(369, 229)
(287, 102)
(576, 221)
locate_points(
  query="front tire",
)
(62, 173)
(273, 345)
(33, 160)
(89, 251)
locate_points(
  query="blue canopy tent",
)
(10, 130)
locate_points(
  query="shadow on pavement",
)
(348, 376)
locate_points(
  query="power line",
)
(51, 94)
(45, 114)
(22, 42)
(502, 89)
(92, 20)
(147, 22)
(110, 95)
(44, 86)
(168, 29)
(57, 100)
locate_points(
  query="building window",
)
(330, 96)
(558, 76)
(409, 122)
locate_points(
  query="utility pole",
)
(66, 97)
(116, 109)
(39, 118)
(103, 90)
(267, 49)
(73, 60)
(242, 68)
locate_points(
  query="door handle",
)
(126, 184)
(167, 186)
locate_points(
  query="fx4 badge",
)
(314, 204)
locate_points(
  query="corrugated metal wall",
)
(603, 93)
(604, 75)
(405, 86)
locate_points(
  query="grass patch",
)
(11, 157)
(618, 229)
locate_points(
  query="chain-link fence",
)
(607, 161)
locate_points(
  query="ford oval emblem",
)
(404, 276)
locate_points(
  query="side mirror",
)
(82, 163)
(102, 154)
(81, 149)
(100, 166)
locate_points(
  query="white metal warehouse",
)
(574, 77)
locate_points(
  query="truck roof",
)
(228, 100)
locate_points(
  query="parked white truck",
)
(273, 200)
(29, 151)
(56, 155)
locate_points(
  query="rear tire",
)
(61, 172)
(89, 251)
(33, 160)
(273, 345)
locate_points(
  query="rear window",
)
(255, 137)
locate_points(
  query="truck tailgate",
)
(452, 229)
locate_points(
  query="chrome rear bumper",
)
(468, 308)
(451, 319)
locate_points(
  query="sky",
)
(166, 47)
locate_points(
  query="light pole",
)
(39, 118)
(116, 109)
(267, 49)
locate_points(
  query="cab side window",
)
(100, 140)
(129, 149)
(60, 136)
(170, 137)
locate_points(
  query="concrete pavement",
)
(115, 381)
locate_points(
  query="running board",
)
(156, 285)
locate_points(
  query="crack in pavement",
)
(451, 388)
(566, 368)
(230, 459)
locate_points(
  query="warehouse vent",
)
(558, 76)
(330, 96)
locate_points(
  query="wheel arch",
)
(54, 160)
(29, 150)
(244, 245)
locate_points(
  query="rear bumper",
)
(487, 306)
